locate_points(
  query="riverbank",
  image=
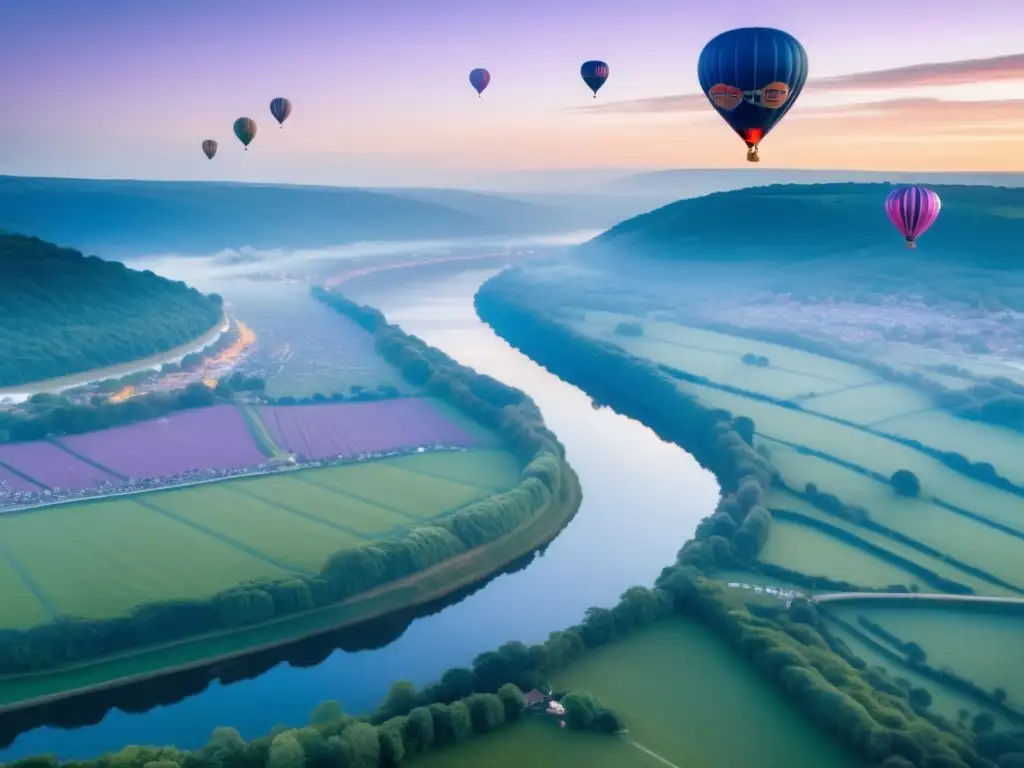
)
(25, 691)
(22, 392)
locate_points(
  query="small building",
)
(534, 698)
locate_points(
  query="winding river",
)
(642, 498)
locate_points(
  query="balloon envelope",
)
(752, 77)
(913, 210)
(594, 74)
(210, 148)
(280, 108)
(479, 79)
(245, 130)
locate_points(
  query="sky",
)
(129, 88)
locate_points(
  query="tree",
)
(391, 737)
(286, 752)
(401, 698)
(325, 712)
(461, 723)
(607, 721)
(364, 743)
(458, 683)
(983, 723)
(920, 698)
(999, 695)
(580, 709)
(486, 711)
(513, 700)
(905, 483)
(419, 730)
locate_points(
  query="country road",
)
(837, 597)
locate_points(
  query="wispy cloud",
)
(945, 73)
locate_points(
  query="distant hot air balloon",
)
(280, 108)
(210, 148)
(913, 210)
(479, 79)
(594, 74)
(245, 130)
(752, 76)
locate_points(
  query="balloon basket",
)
(752, 156)
(911, 244)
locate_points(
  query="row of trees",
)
(349, 572)
(65, 313)
(874, 718)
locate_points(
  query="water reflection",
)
(642, 499)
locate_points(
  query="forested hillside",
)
(63, 313)
(980, 226)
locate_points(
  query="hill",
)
(128, 218)
(64, 313)
(979, 225)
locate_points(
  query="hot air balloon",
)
(245, 130)
(913, 210)
(280, 108)
(479, 79)
(210, 148)
(752, 76)
(594, 74)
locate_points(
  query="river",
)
(642, 498)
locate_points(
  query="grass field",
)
(945, 701)
(872, 452)
(684, 695)
(99, 559)
(781, 500)
(951, 638)
(870, 403)
(540, 743)
(1002, 448)
(815, 553)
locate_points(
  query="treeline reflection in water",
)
(140, 697)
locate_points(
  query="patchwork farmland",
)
(225, 441)
(99, 559)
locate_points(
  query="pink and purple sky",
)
(130, 88)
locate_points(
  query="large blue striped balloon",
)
(752, 77)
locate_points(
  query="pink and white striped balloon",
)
(913, 210)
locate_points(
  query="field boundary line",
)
(839, 391)
(85, 459)
(739, 357)
(434, 475)
(876, 422)
(224, 538)
(29, 582)
(655, 755)
(357, 497)
(260, 433)
(23, 476)
(305, 515)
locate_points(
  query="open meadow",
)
(950, 636)
(672, 683)
(99, 559)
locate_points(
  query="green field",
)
(870, 403)
(872, 452)
(781, 500)
(945, 701)
(951, 638)
(687, 697)
(538, 742)
(815, 553)
(968, 540)
(99, 559)
(1002, 448)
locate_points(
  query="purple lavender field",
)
(347, 429)
(11, 482)
(204, 438)
(52, 467)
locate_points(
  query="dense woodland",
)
(545, 479)
(64, 313)
(885, 723)
(979, 226)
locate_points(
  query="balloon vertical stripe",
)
(912, 210)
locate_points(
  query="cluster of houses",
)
(783, 594)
